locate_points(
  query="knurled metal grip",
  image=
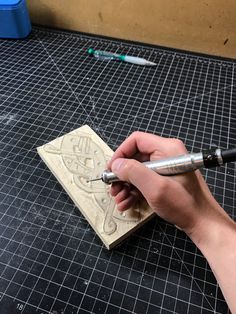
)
(176, 165)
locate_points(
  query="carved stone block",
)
(77, 157)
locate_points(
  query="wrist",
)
(216, 239)
(212, 232)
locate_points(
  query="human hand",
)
(183, 200)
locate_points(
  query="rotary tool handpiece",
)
(180, 164)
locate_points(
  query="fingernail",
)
(117, 165)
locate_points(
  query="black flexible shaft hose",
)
(229, 155)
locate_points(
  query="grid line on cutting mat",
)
(50, 259)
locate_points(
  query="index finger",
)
(139, 142)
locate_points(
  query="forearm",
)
(216, 238)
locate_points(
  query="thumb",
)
(136, 173)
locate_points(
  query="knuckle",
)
(154, 199)
(162, 187)
(179, 144)
(157, 194)
(131, 165)
(136, 134)
(128, 168)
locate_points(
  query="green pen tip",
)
(90, 51)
